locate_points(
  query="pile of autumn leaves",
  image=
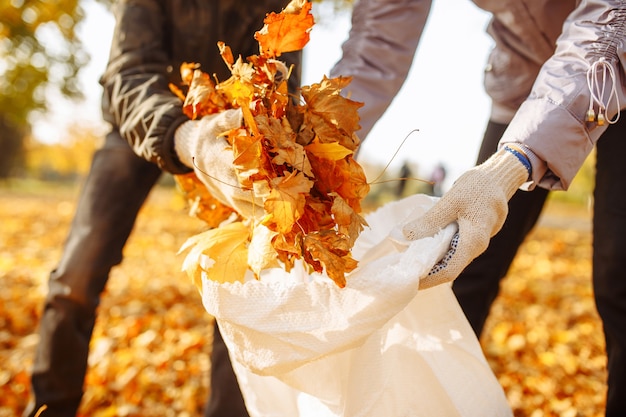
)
(297, 154)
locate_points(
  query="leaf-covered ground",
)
(151, 344)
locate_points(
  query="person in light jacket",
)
(557, 84)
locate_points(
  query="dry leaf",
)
(285, 204)
(287, 31)
(331, 150)
(202, 98)
(220, 253)
(149, 322)
(332, 251)
(201, 203)
(296, 158)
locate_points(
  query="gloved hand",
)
(200, 145)
(478, 202)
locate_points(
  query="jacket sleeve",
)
(136, 99)
(552, 120)
(379, 52)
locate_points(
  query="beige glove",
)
(200, 145)
(478, 202)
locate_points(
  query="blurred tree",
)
(69, 159)
(39, 50)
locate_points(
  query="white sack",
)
(301, 346)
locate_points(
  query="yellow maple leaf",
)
(261, 253)
(239, 88)
(221, 254)
(330, 150)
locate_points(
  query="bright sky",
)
(443, 96)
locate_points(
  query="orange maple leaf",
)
(288, 247)
(187, 70)
(293, 156)
(349, 222)
(332, 117)
(285, 204)
(296, 158)
(354, 187)
(317, 215)
(332, 251)
(287, 31)
(201, 203)
(248, 157)
(226, 53)
(281, 143)
(327, 179)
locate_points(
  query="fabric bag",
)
(301, 346)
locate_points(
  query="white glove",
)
(200, 145)
(478, 202)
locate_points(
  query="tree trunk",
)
(12, 150)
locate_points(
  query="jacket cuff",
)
(507, 170)
(555, 136)
(170, 160)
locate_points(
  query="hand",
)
(478, 202)
(200, 144)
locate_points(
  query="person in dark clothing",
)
(151, 40)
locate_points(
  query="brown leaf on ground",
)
(151, 345)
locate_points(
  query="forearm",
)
(136, 97)
(379, 52)
(552, 122)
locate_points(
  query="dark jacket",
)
(151, 40)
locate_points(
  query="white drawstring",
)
(597, 82)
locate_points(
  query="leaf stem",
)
(377, 179)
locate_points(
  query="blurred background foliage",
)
(41, 56)
(31, 65)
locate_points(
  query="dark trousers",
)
(609, 258)
(477, 287)
(114, 191)
(479, 284)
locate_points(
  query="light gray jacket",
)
(537, 74)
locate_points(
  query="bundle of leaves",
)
(297, 154)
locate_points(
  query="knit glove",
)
(478, 203)
(201, 145)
